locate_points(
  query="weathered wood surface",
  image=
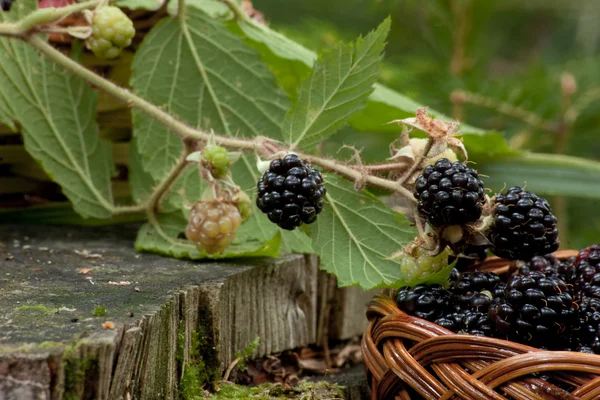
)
(53, 279)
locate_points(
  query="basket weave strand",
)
(405, 355)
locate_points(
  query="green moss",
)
(245, 354)
(201, 371)
(273, 391)
(99, 311)
(36, 308)
(75, 369)
(49, 345)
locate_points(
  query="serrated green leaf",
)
(295, 241)
(207, 77)
(173, 226)
(547, 174)
(356, 234)
(289, 60)
(61, 135)
(339, 85)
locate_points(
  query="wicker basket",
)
(408, 358)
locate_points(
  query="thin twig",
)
(230, 368)
(43, 16)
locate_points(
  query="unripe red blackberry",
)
(212, 225)
(291, 192)
(449, 193)
(523, 226)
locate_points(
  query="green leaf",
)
(173, 225)
(140, 181)
(295, 241)
(290, 60)
(213, 8)
(548, 174)
(150, 5)
(356, 234)
(62, 135)
(206, 76)
(339, 85)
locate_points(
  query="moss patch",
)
(99, 311)
(75, 369)
(38, 308)
(273, 391)
(201, 370)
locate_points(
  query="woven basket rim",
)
(401, 350)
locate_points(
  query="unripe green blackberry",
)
(112, 31)
(216, 160)
(212, 225)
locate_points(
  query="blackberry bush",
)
(449, 193)
(291, 192)
(216, 160)
(523, 226)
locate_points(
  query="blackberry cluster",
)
(429, 302)
(291, 192)
(549, 265)
(467, 321)
(536, 308)
(547, 302)
(587, 271)
(449, 193)
(475, 290)
(523, 226)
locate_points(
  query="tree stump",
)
(84, 315)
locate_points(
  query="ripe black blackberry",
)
(467, 321)
(549, 265)
(429, 302)
(523, 226)
(291, 192)
(475, 290)
(587, 271)
(469, 256)
(587, 327)
(449, 193)
(5, 4)
(536, 308)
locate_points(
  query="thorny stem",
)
(262, 145)
(43, 16)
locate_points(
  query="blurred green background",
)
(530, 70)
